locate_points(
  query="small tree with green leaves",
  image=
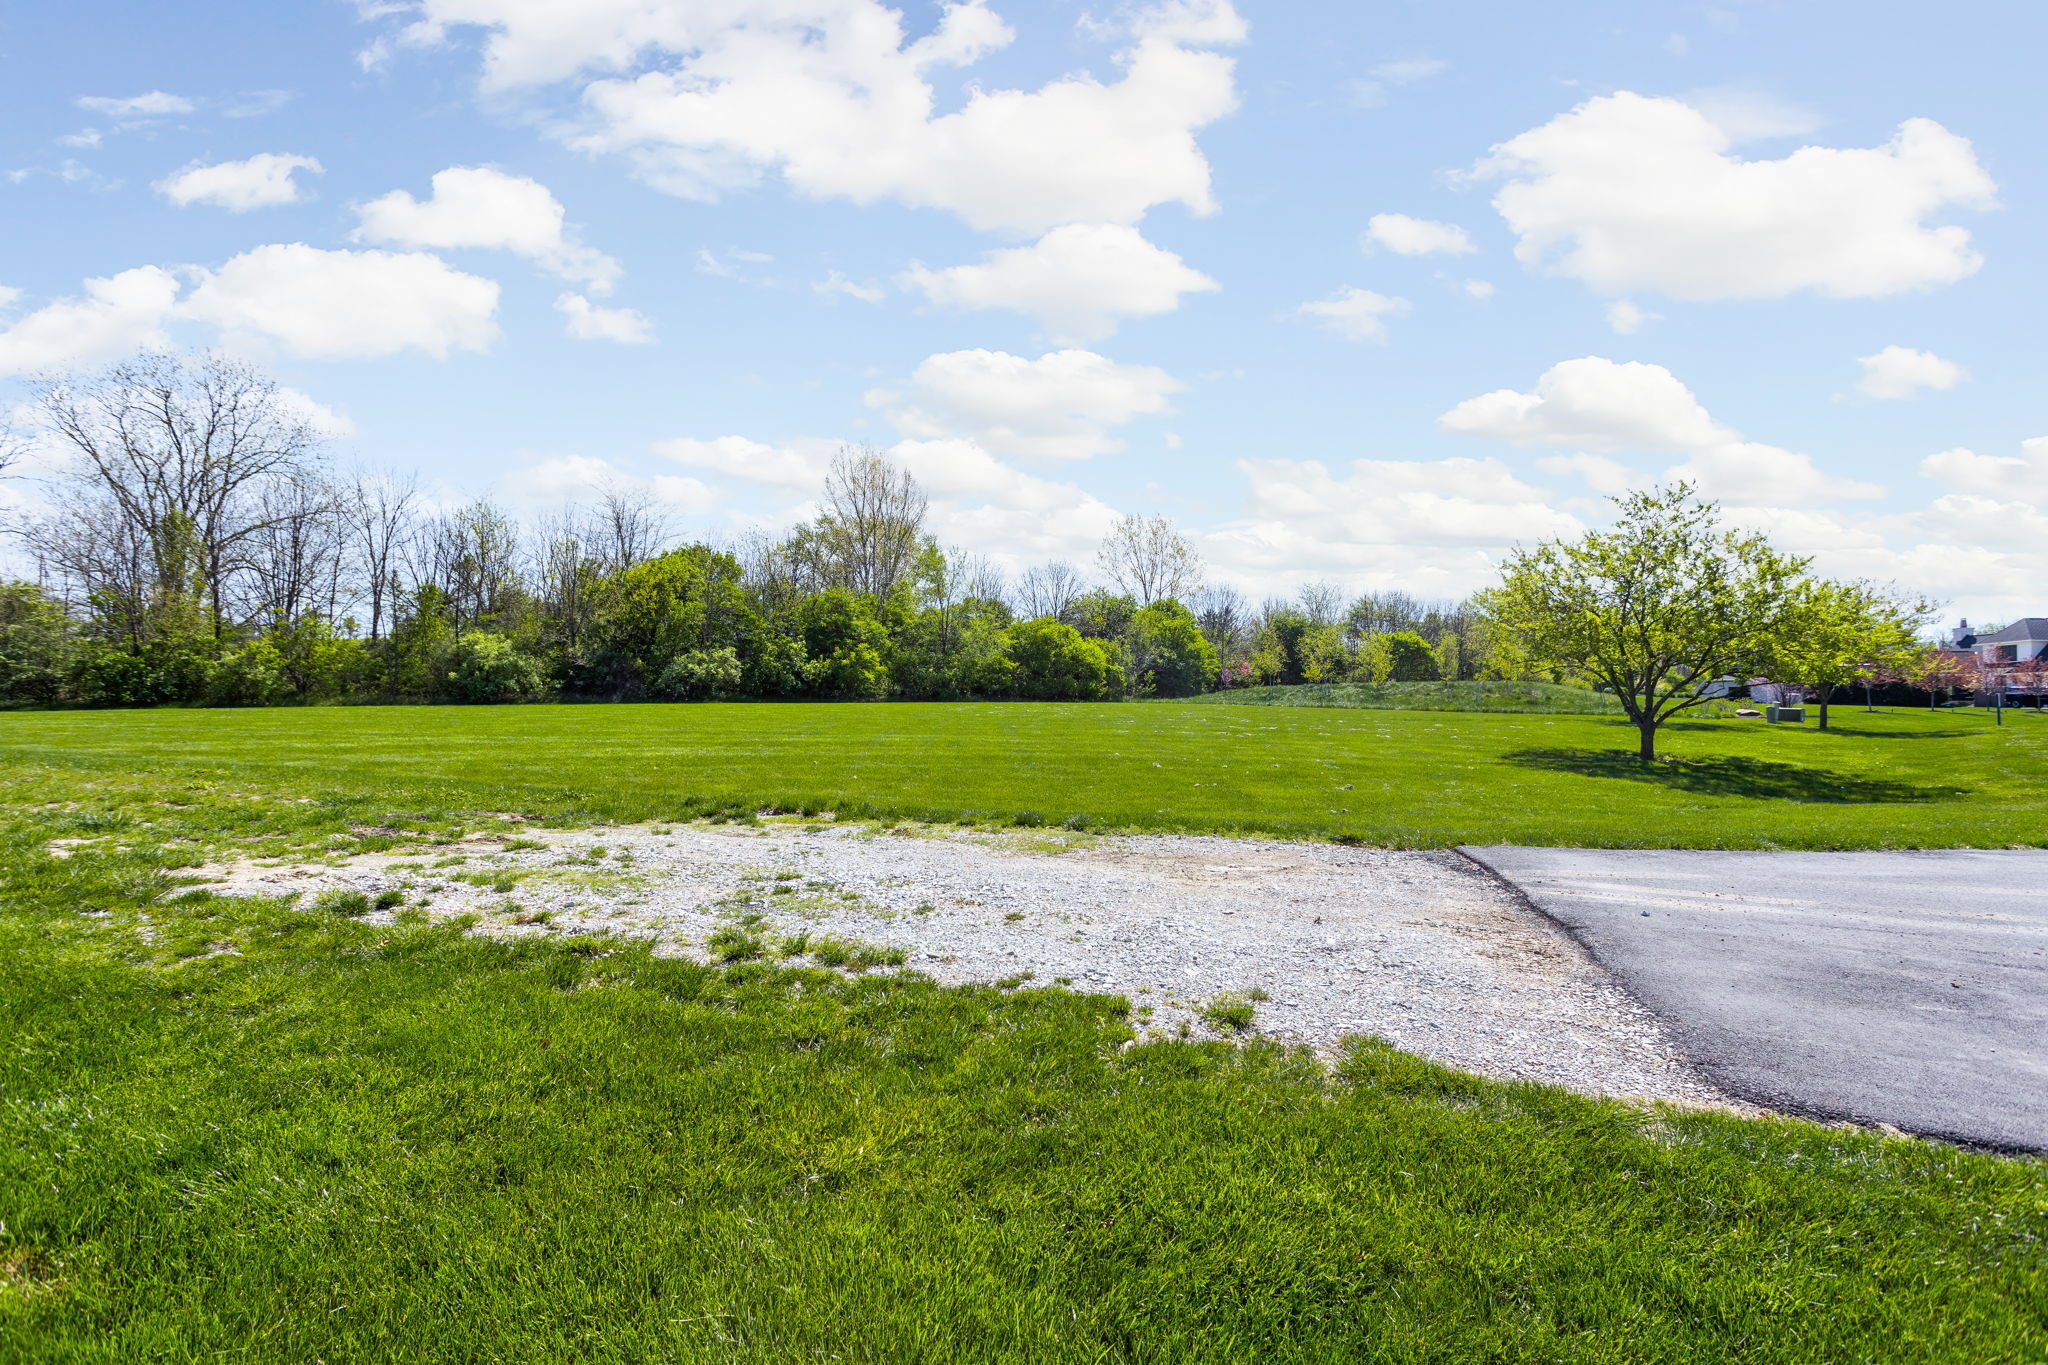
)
(1656, 607)
(1846, 632)
(1410, 658)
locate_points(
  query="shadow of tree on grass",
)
(1841, 726)
(1753, 777)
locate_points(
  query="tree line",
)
(200, 546)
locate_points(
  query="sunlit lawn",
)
(260, 1131)
(1890, 779)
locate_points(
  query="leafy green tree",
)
(702, 675)
(846, 646)
(1324, 657)
(489, 668)
(1450, 656)
(109, 677)
(1656, 607)
(1279, 652)
(950, 650)
(1409, 657)
(1170, 657)
(653, 612)
(416, 657)
(982, 666)
(1101, 614)
(1374, 661)
(314, 659)
(772, 663)
(1055, 662)
(38, 646)
(250, 676)
(1844, 632)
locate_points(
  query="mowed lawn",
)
(1896, 779)
(271, 1131)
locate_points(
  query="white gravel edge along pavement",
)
(1320, 941)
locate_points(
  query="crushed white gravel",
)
(1421, 949)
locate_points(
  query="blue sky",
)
(1358, 293)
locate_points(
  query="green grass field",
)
(1903, 779)
(247, 1130)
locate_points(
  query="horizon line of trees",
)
(200, 547)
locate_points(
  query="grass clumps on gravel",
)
(853, 955)
(346, 903)
(735, 944)
(1230, 1012)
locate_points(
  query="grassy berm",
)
(1530, 697)
(261, 1131)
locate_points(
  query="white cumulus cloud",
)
(799, 467)
(1434, 527)
(1405, 236)
(549, 483)
(1601, 474)
(120, 313)
(1627, 192)
(1079, 280)
(479, 206)
(319, 304)
(835, 98)
(1899, 372)
(328, 305)
(585, 321)
(1356, 314)
(261, 181)
(1595, 403)
(2022, 477)
(1598, 404)
(1057, 407)
(1626, 318)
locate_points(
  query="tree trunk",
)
(1648, 750)
(1822, 695)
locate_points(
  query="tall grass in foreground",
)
(242, 1130)
(1531, 698)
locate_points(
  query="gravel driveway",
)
(1419, 948)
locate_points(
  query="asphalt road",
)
(1900, 988)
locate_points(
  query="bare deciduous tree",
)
(1320, 601)
(472, 555)
(1226, 619)
(1148, 558)
(295, 564)
(768, 568)
(972, 574)
(627, 526)
(871, 531)
(1048, 589)
(13, 442)
(382, 516)
(179, 452)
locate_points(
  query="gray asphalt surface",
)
(1900, 988)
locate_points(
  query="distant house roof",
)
(2026, 628)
